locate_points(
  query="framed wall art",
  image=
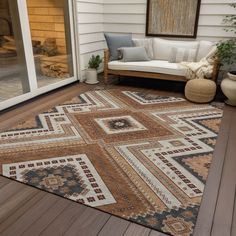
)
(172, 18)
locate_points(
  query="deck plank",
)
(18, 199)
(21, 211)
(156, 233)
(4, 181)
(120, 227)
(64, 221)
(137, 230)
(225, 204)
(18, 227)
(46, 219)
(209, 200)
(10, 190)
(233, 228)
(88, 222)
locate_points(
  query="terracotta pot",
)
(91, 76)
(228, 86)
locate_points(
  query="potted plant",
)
(226, 54)
(91, 72)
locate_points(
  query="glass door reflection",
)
(13, 71)
(51, 40)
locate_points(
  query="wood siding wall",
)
(125, 16)
(91, 28)
(47, 21)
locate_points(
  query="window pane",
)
(13, 72)
(50, 31)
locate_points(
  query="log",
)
(55, 67)
(9, 46)
(9, 38)
(49, 47)
(7, 53)
(9, 43)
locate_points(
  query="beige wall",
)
(47, 21)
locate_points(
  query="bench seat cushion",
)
(154, 66)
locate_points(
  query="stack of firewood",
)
(55, 67)
(48, 48)
(7, 47)
(8, 43)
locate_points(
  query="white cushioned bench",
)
(158, 67)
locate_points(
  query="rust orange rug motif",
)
(134, 154)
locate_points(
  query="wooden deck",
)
(28, 211)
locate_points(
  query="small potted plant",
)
(227, 49)
(91, 72)
(226, 54)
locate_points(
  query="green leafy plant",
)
(230, 21)
(94, 62)
(226, 50)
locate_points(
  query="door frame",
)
(29, 58)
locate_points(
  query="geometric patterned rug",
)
(131, 153)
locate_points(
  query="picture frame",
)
(172, 18)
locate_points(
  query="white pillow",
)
(182, 54)
(204, 48)
(147, 44)
(162, 47)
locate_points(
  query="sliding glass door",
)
(37, 48)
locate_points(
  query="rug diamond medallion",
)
(134, 154)
(120, 124)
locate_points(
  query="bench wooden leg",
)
(105, 77)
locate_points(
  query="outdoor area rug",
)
(131, 153)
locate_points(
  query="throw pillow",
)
(129, 54)
(162, 47)
(147, 43)
(117, 41)
(204, 48)
(178, 55)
